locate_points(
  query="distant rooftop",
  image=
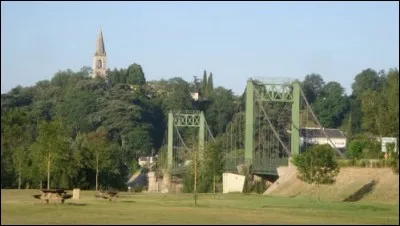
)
(317, 133)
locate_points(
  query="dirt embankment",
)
(352, 184)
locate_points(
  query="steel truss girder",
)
(274, 92)
(185, 119)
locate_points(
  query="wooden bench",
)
(53, 194)
(110, 195)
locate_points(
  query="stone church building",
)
(100, 58)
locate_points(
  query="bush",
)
(394, 164)
(355, 149)
(317, 164)
(138, 188)
(362, 163)
(372, 150)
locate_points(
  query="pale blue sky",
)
(234, 40)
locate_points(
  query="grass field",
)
(19, 207)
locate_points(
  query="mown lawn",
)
(19, 207)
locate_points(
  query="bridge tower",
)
(184, 119)
(271, 91)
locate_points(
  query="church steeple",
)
(100, 50)
(100, 57)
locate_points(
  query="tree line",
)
(76, 131)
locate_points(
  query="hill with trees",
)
(87, 133)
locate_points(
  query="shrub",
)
(362, 163)
(355, 149)
(317, 165)
(372, 150)
(138, 188)
(394, 164)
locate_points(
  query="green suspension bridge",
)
(263, 133)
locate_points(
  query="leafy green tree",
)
(390, 109)
(355, 114)
(312, 86)
(14, 124)
(71, 161)
(220, 111)
(317, 165)
(380, 107)
(355, 149)
(135, 75)
(114, 76)
(49, 145)
(368, 79)
(137, 143)
(97, 145)
(178, 97)
(209, 169)
(371, 105)
(331, 106)
(372, 150)
(61, 78)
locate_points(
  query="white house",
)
(146, 160)
(195, 96)
(313, 135)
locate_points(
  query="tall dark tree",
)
(135, 75)
(312, 86)
(220, 110)
(331, 106)
(210, 85)
(204, 85)
(368, 79)
(381, 108)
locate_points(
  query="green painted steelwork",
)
(201, 133)
(275, 92)
(266, 156)
(170, 138)
(187, 118)
(295, 133)
(184, 119)
(249, 130)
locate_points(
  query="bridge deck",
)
(262, 166)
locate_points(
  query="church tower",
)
(100, 58)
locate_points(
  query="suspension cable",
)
(179, 136)
(323, 131)
(270, 124)
(209, 131)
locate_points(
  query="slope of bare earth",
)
(350, 182)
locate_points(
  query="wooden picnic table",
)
(56, 194)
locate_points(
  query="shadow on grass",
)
(361, 193)
(373, 208)
(283, 207)
(128, 201)
(76, 204)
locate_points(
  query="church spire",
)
(100, 50)
(100, 58)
